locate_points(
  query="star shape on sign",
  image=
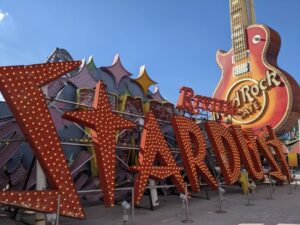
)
(21, 87)
(157, 96)
(83, 79)
(55, 86)
(117, 70)
(144, 80)
(104, 124)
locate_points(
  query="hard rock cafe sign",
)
(268, 99)
(263, 93)
(250, 97)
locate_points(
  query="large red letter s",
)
(267, 139)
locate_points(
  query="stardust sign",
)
(21, 86)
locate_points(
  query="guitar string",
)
(233, 26)
(246, 16)
(240, 31)
(243, 31)
(235, 22)
(249, 74)
(239, 52)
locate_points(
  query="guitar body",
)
(265, 95)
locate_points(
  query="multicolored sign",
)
(22, 88)
(251, 79)
(113, 111)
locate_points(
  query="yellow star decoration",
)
(144, 80)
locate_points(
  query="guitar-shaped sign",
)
(251, 79)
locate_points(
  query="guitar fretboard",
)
(241, 15)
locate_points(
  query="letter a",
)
(153, 144)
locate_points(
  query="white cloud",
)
(3, 15)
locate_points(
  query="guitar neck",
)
(241, 16)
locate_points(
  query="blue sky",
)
(175, 39)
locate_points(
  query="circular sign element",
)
(249, 98)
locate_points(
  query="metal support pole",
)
(58, 209)
(270, 187)
(186, 204)
(295, 180)
(290, 187)
(40, 218)
(153, 194)
(125, 217)
(290, 183)
(248, 196)
(220, 210)
(132, 206)
(115, 111)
